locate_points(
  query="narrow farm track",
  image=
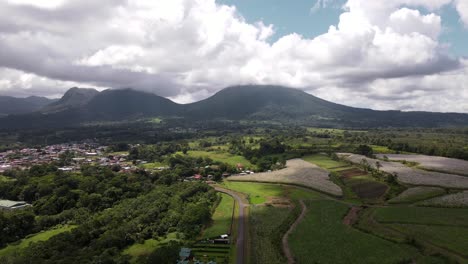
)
(286, 249)
(240, 243)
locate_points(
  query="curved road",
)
(240, 244)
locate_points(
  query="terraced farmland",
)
(298, 172)
(412, 176)
(417, 194)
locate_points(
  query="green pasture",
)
(257, 193)
(148, 246)
(221, 219)
(221, 156)
(324, 161)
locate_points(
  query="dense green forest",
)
(110, 210)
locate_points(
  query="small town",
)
(82, 154)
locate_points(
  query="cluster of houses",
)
(27, 157)
(85, 154)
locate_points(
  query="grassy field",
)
(136, 250)
(324, 161)
(422, 215)
(118, 153)
(221, 218)
(41, 236)
(382, 149)
(323, 238)
(222, 157)
(296, 193)
(153, 165)
(257, 192)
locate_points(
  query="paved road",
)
(240, 243)
(286, 249)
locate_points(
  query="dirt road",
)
(286, 249)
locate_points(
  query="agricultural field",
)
(355, 182)
(441, 164)
(416, 194)
(412, 176)
(459, 199)
(365, 187)
(222, 218)
(422, 215)
(435, 230)
(297, 172)
(323, 238)
(222, 156)
(264, 222)
(450, 238)
(41, 236)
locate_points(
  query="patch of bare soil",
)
(352, 172)
(369, 189)
(352, 216)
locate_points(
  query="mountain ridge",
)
(247, 102)
(73, 97)
(15, 105)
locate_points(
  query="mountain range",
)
(12, 105)
(250, 102)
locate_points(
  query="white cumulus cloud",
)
(381, 54)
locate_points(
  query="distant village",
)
(90, 154)
(83, 154)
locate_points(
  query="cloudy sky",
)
(399, 54)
